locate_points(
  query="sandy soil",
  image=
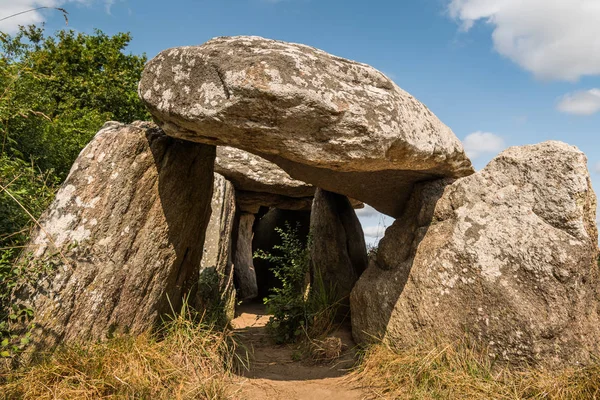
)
(273, 374)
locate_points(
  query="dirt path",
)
(275, 375)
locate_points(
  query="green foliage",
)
(16, 319)
(291, 264)
(24, 186)
(215, 297)
(57, 92)
(21, 186)
(297, 307)
(323, 306)
(372, 251)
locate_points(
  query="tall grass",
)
(184, 360)
(322, 305)
(458, 371)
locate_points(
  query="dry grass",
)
(457, 371)
(326, 350)
(184, 361)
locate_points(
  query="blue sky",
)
(498, 72)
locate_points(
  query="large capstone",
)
(251, 202)
(260, 183)
(334, 123)
(122, 243)
(506, 256)
(251, 173)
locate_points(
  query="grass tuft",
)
(458, 371)
(185, 360)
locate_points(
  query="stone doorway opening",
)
(253, 277)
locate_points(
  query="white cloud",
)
(479, 143)
(553, 39)
(367, 211)
(108, 5)
(597, 170)
(11, 7)
(375, 232)
(585, 102)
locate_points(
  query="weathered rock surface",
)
(266, 237)
(506, 256)
(251, 202)
(243, 263)
(251, 173)
(215, 285)
(335, 123)
(138, 225)
(338, 251)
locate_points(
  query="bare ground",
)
(273, 373)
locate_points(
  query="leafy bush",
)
(24, 190)
(287, 303)
(16, 324)
(298, 306)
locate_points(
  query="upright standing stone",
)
(130, 222)
(243, 264)
(215, 285)
(338, 250)
(506, 256)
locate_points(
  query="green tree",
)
(57, 92)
